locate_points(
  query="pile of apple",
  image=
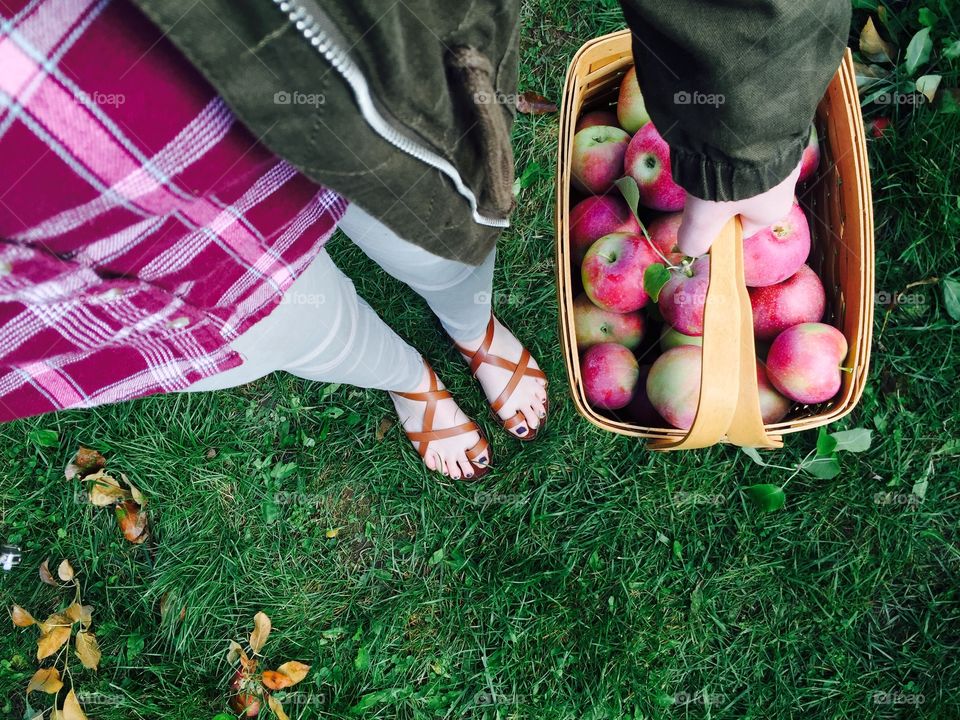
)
(801, 357)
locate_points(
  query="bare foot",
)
(447, 456)
(530, 395)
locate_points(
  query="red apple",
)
(773, 406)
(798, 299)
(804, 362)
(663, 232)
(671, 338)
(673, 385)
(777, 252)
(594, 325)
(683, 297)
(648, 162)
(640, 409)
(631, 110)
(594, 118)
(240, 700)
(810, 159)
(610, 374)
(595, 217)
(598, 158)
(612, 272)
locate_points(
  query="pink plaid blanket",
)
(142, 228)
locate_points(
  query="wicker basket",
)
(838, 205)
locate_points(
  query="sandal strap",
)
(511, 422)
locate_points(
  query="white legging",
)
(322, 330)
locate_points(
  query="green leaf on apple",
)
(654, 278)
(826, 444)
(631, 193)
(951, 297)
(927, 17)
(918, 51)
(824, 468)
(856, 440)
(766, 496)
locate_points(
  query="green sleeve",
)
(732, 85)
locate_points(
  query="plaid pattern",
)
(141, 227)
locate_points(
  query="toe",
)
(533, 422)
(466, 469)
(520, 430)
(431, 461)
(453, 469)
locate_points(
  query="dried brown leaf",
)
(84, 462)
(166, 609)
(65, 571)
(105, 490)
(383, 428)
(132, 521)
(874, 47)
(531, 103)
(294, 670)
(277, 708)
(138, 497)
(71, 708)
(261, 631)
(236, 652)
(54, 632)
(46, 576)
(276, 680)
(88, 650)
(21, 618)
(45, 680)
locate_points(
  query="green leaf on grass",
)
(927, 17)
(825, 444)
(951, 49)
(631, 193)
(856, 440)
(766, 496)
(927, 85)
(753, 455)
(362, 660)
(951, 297)
(824, 468)
(44, 438)
(918, 51)
(654, 278)
(677, 550)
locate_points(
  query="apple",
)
(640, 409)
(804, 362)
(631, 110)
(671, 338)
(612, 272)
(810, 159)
(777, 252)
(684, 295)
(773, 406)
(595, 217)
(647, 161)
(240, 701)
(798, 299)
(597, 161)
(610, 373)
(594, 325)
(673, 385)
(594, 118)
(663, 231)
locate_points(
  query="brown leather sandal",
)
(421, 439)
(520, 369)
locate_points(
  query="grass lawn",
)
(586, 577)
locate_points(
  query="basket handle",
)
(729, 404)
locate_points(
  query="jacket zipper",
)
(308, 26)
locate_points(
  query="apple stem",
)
(646, 235)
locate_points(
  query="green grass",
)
(576, 581)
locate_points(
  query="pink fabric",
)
(142, 228)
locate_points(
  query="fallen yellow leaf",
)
(105, 490)
(277, 708)
(52, 639)
(88, 650)
(46, 576)
(21, 618)
(276, 680)
(261, 631)
(132, 521)
(873, 46)
(294, 670)
(71, 708)
(45, 680)
(65, 571)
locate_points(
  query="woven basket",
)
(837, 203)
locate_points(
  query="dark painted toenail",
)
(521, 431)
(469, 475)
(483, 459)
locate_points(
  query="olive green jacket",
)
(406, 108)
